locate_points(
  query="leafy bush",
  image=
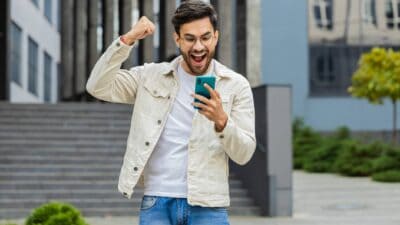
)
(356, 159)
(305, 140)
(55, 213)
(323, 156)
(389, 160)
(387, 176)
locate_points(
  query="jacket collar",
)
(220, 70)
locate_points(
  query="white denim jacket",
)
(152, 88)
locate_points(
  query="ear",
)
(216, 36)
(176, 38)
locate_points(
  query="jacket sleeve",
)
(110, 83)
(238, 136)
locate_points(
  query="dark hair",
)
(191, 10)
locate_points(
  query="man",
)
(180, 153)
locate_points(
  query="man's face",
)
(197, 41)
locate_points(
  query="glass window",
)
(32, 66)
(48, 10)
(392, 13)
(47, 77)
(15, 60)
(369, 11)
(323, 14)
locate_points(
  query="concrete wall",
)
(285, 48)
(35, 25)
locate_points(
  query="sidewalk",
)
(322, 199)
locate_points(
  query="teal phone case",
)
(200, 89)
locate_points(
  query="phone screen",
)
(200, 89)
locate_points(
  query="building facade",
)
(52, 45)
(315, 46)
(33, 51)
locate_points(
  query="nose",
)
(198, 46)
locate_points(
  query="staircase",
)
(72, 152)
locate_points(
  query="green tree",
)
(377, 78)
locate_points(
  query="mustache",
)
(198, 52)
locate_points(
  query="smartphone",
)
(200, 89)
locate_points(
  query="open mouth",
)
(198, 59)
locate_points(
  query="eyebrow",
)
(191, 35)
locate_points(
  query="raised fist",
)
(143, 28)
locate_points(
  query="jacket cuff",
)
(122, 48)
(227, 130)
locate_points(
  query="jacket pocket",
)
(155, 89)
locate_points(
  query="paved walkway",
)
(321, 199)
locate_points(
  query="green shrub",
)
(322, 157)
(304, 141)
(387, 176)
(389, 160)
(55, 213)
(356, 159)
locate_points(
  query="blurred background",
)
(310, 48)
(48, 48)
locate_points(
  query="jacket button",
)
(147, 143)
(125, 194)
(169, 97)
(135, 168)
(159, 122)
(118, 44)
(155, 92)
(221, 136)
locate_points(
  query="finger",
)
(212, 92)
(199, 105)
(201, 98)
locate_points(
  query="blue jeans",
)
(176, 211)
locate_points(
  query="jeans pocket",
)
(148, 202)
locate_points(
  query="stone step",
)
(62, 143)
(85, 193)
(15, 213)
(56, 159)
(76, 185)
(55, 136)
(64, 114)
(63, 107)
(40, 149)
(55, 128)
(73, 152)
(65, 122)
(58, 175)
(91, 203)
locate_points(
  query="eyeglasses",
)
(205, 40)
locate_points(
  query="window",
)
(35, 2)
(323, 14)
(47, 77)
(32, 66)
(393, 14)
(331, 67)
(369, 12)
(16, 41)
(48, 10)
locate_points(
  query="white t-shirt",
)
(165, 172)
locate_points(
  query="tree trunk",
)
(394, 132)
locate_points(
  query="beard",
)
(198, 62)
